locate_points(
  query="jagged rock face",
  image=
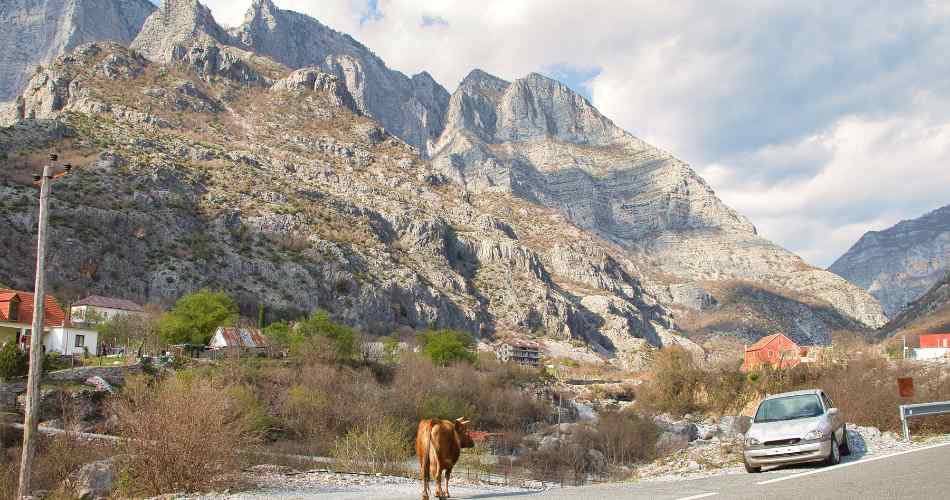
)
(34, 32)
(289, 198)
(539, 140)
(898, 265)
(410, 108)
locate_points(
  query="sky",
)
(818, 120)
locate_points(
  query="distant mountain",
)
(34, 32)
(898, 265)
(928, 314)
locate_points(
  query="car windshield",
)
(789, 408)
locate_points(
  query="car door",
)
(837, 420)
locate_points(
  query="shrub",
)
(318, 336)
(13, 361)
(196, 315)
(676, 383)
(182, 436)
(445, 347)
(378, 446)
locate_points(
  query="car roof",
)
(793, 393)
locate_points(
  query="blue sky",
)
(818, 120)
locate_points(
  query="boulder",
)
(94, 480)
(732, 426)
(670, 442)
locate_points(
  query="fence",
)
(921, 410)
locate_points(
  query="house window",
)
(80, 340)
(14, 310)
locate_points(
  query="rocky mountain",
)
(411, 108)
(34, 32)
(538, 140)
(928, 314)
(899, 264)
(285, 163)
(283, 195)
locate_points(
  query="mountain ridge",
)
(641, 240)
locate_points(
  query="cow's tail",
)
(427, 461)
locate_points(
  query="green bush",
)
(377, 447)
(13, 361)
(445, 347)
(196, 316)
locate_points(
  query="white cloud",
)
(817, 120)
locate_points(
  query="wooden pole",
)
(31, 419)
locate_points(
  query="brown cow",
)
(438, 445)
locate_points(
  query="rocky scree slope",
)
(899, 264)
(538, 140)
(283, 195)
(34, 32)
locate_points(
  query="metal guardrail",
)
(921, 410)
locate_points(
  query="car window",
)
(789, 408)
(828, 403)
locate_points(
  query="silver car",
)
(795, 427)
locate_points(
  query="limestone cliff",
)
(34, 32)
(537, 139)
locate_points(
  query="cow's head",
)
(461, 428)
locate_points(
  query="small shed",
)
(238, 338)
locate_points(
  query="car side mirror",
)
(833, 412)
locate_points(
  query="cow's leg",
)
(438, 482)
(448, 475)
(424, 477)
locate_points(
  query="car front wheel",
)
(845, 443)
(834, 456)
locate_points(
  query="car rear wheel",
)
(750, 469)
(834, 456)
(845, 443)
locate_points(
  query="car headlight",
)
(751, 441)
(814, 435)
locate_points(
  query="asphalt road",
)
(923, 473)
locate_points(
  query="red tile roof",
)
(109, 303)
(764, 341)
(53, 314)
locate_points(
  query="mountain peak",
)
(479, 78)
(176, 23)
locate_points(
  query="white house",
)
(16, 314)
(95, 308)
(70, 340)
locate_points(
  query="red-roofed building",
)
(934, 340)
(777, 351)
(16, 324)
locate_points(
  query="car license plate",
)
(781, 451)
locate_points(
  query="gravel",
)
(273, 481)
(704, 458)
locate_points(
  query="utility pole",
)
(31, 418)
